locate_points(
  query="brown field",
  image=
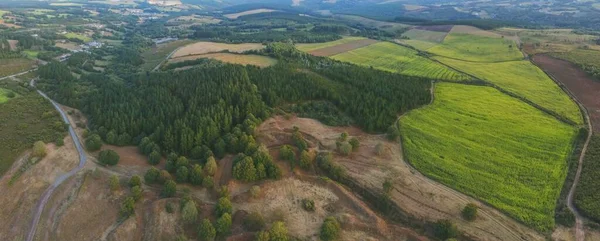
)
(255, 11)
(68, 46)
(436, 28)
(210, 47)
(14, 66)
(473, 30)
(577, 81)
(243, 59)
(342, 48)
(10, 25)
(419, 197)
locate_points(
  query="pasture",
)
(417, 44)
(525, 80)
(243, 59)
(5, 95)
(155, 55)
(395, 58)
(493, 147)
(465, 29)
(342, 48)
(425, 35)
(82, 37)
(14, 66)
(477, 48)
(211, 47)
(250, 12)
(581, 57)
(315, 46)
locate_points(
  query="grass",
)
(418, 44)
(315, 46)
(395, 58)
(4, 95)
(587, 193)
(523, 79)
(155, 56)
(477, 48)
(493, 147)
(14, 66)
(581, 57)
(23, 121)
(2, 12)
(425, 35)
(31, 53)
(78, 36)
(243, 59)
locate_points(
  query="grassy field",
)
(315, 46)
(523, 79)
(23, 122)
(243, 59)
(155, 56)
(493, 147)
(418, 44)
(4, 95)
(587, 193)
(13, 66)
(31, 53)
(477, 48)
(425, 35)
(78, 36)
(581, 57)
(395, 58)
(212, 47)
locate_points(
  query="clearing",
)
(243, 59)
(81, 37)
(250, 12)
(211, 47)
(465, 29)
(316, 46)
(477, 48)
(15, 66)
(395, 58)
(158, 53)
(491, 146)
(525, 80)
(342, 48)
(68, 46)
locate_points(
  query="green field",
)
(315, 46)
(425, 35)
(78, 36)
(155, 56)
(395, 58)
(418, 44)
(523, 79)
(4, 95)
(31, 53)
(13, 66)
(493, 147)
(477, 48)
(587, 194)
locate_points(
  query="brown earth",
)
(419, 197)
(211, 47)
(342, 48)
(436, 28)
(577, 81)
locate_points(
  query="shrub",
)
(189, 213)
(306, 159)
(136, 193)
(330, 229)
(278, 232)
(39, 149)
(354, 143)
(254, 191)
(208, 182)
(379, 149)
(387, 187)
(60, 141)
(152, 175)
(170, 188)
(127, 207)
(223, 206)
(108, 157)
(262, 236)
(211, 166)
(93, 143)
(154, 158)
(206, 231)
(135, 181)
(254, 222)
(113, 182)
(345, 148)
(223, 225)
(343, 136)
(169, 207)
(308, 205)
(445, 229)
(469, 212)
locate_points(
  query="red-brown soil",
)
(577, 81)
(338, 49)
(436, 28)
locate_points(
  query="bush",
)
(60, 141)
(223, 206)
(445, 229)
(206, 231)
(262, 236)
(308, 205)
(113, 183)
(278, 232)
(135, 181)
(93, 143)
(169, 207)
(154, 158)
(254, 222)
(39, 149)
(379, 149)
(152, 175)
(330, 229)
(108, 157)
(254, 191)
(223, 225)
(211, 166)
(345, 148)
(189, 213)
(469, 212)
(136, 193)
(387, 187)
(127, 207)
(354, 143)
(169, 189)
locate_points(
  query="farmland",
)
(395, 58)
(78, 36)
(13, 66)
(477, 48)
(250, 12)
(342, 48)
(315, 46)
(525, 80)
(243, 59)
(587, 193)
(157, 54)
(210, 47)
(425, 35)
(491, 146)
(588, 60)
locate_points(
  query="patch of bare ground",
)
(562, 233)
(575, 80)
(211, 47)
(419, 198)
(342, 48)
(436, 28)
(20, 199)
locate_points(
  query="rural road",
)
(15, 75)
(48, 193)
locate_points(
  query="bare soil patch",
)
(250, 12)
(577, 81)
(342, 48)
(211, 47)
(436, 28)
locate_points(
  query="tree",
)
(345, 148)
(299, 140)
(254, 222)
(164, 177)
(93, 143)
(211, 166)
(262, 236)
(208, 182)
(278, 232)
(39, 149)
(154, 158)
(354, 143)
(387, 187)
(330, 229)
(170, 188)
(127, 207)
(189, 213)
(135, 181)
(182, 162)
(152, 175)
(343, 136)
(206, 231)
(244, 170)
(254, 191)
(136, 193)
(171, 162)
(113, 182)
(108, 157)
(196, 175)
(223, 225)
(223, 206)
(445, 229)
(469, 212)
(286, 153)
(182, 174)
(306, 159)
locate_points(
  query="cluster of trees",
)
(587, 193)
(324, 111)
(222, 34)
(128, 205)
(6, 52)
(109, 157)
(255, 167)
(345, 146)
(222, 227)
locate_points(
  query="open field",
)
(550, 40)
(195, 19)
(315, 46)
(436, 28)
(157, 54)
(395, 58)
(243, 59)
(525, 80)
(587, 193)
(425, 35)
(588, 60)
(493, 147)
(31, 54)
(386, 26)
(78, 36)
(68, 46)
(4, 95)
(418, 44)
(250, 12)
(477, 48)
(464, 29)
(211, 47)
(13, 66)
(66, 4)
(343, 48)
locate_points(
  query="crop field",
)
(395, 58)
(13, 66)
(156, 55)
(581, 57)
(425, 35)
(343, 48)
(493, 147)
(78, 36)
(418, 44)
(464, 29)
(315, 46)
(250, 12)
(523, 79)
(211, 47)
(243, 59)
(477, 48)
(587, 193)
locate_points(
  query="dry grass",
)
(211, 47)
(474, 31)
(68, 46)
(250, 12)
(243, 59)
(410, 7)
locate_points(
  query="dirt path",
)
(166, 58)
(48, 193)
